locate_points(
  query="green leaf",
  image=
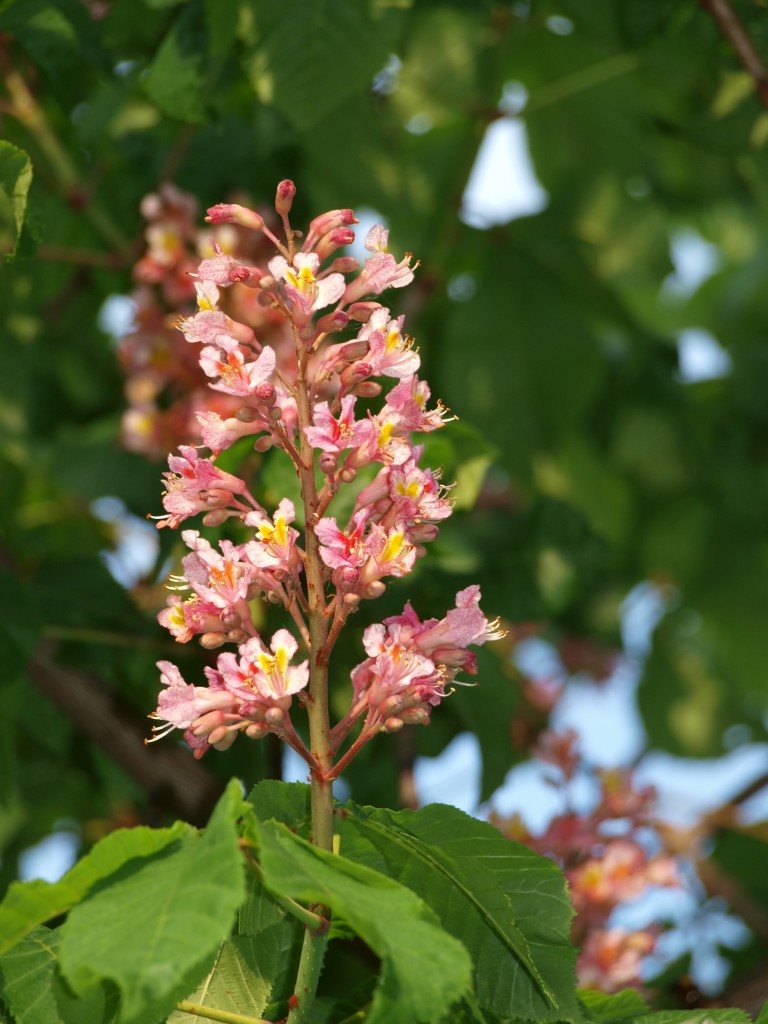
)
(508, 906)
(424, 970)
(28, 904)
(36, 994)
(293, 62)
(155, 930)
(287, 802)
(604, 1009)
(243, 977)
(175, 79)
(15, 179)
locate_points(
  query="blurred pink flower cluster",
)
(604, 854)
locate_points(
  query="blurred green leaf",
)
(15, 179)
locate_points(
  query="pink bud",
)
(354, 373)
(237, 636)
(367, 389)
(423, 532)
(265, 392)
(344, 265)
(257, 731)
(286, 190)
(217, 517)
(231, 213)
(274, 717)
(361, 311)
(327, 462)
(347, 475)
(391, 705)
(246, 414)
(415, 716)
(333, 240)
(332, 322)
(327, 222)
(263, 444)
(210, 641)
(348, 575)
(392, 725)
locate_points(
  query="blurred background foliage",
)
(593, 453)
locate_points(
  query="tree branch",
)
(175, 782)
(728, 22)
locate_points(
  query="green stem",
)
(321, 787)
(222, 1015)
(315, 922)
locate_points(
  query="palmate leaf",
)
(28, 904)
(507, 905)
(424, 970)
(156, 928)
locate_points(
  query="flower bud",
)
(210, 641)
(361, 311)
(257, 731)
(328, 462)
(327, 222)
(237, 636)
(367, 389)
(333, 240)
(266, 393)
(351, 601)
(391, 706)
(423, 532)
(392, 725)
(217, 517)
(344, 265)
(286, 190)
(263, 444)
(275, 413)
(415, 716)
(275, 717)
(347, 475)
(332, 322)
(246, 415)
(374, 590)
(348, 575)
(354, 373)
(231, 213)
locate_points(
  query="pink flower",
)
(263, 674)
(226, 360)
(446, 640)
(381, 270)
(195, 485)
(343, 550)
(334, 435)
(275, 546)
(409, 398)
(306, 291)
(181, 704)
(389, 351)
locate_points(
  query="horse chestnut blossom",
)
(314, 403)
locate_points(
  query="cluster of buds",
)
(313, 404)
(605, 862)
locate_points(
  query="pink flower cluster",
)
(314, 404)
(606, 865)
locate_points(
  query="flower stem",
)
(321, 787)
